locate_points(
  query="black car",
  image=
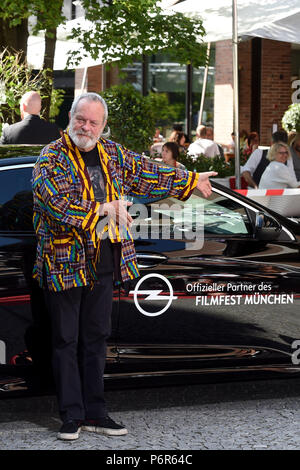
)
(217, 299)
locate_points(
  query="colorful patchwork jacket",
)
(65, 212)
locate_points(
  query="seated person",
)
(203, 145)
(252, 144)
(170, 154)
(179, 138)
(278, 175)
(258, 162)
(158, 137)
(210, 136)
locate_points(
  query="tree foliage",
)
(14, 26)
(16, 78)
(48, 14)
(131, 117)
(14, 32)
(122, 29)
(119, 31)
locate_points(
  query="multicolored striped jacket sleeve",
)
(65, 222)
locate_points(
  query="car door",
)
(24, 319)
(17, 245)
(202, 305)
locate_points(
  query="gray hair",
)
(90, 96)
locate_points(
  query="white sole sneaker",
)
(67, 436)
(105, 431)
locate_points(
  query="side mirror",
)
(266, 227)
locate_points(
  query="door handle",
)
(146, 260)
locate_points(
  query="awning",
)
(36, 47)
(271, 19)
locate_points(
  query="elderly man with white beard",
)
(78, 180)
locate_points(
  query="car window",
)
(16, 199)
(222, 215)
(216, 215)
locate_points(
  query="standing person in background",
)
(32, 129)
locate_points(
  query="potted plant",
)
(201, 163)
(291, 118)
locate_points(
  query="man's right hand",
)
(117, 210)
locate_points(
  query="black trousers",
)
(81, 325)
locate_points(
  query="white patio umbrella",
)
(36, 47)
(63, 47)
(270, 19)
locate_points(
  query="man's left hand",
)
(203, 183)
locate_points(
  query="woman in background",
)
(170, 155)
(278, 174)
(180, 139)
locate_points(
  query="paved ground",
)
(252, 415)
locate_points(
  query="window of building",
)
(168, 77)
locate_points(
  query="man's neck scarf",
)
(112, 186)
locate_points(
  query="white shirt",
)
(204, 146)
(277, 175)
(254, 160)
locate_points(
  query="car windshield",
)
(217, 214)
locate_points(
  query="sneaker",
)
(70, 430)
(105, 426)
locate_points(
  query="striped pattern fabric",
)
(65, 212)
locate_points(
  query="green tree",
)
(14, 32)
(165, 114)
(131, 117)
(122, 29)
(16, 78)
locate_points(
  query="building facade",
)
(267, 70)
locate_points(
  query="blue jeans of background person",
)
(81, 325)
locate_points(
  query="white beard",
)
(81, 139)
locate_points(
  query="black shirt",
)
(92, 161)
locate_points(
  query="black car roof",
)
(18, 160)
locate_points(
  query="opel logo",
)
(153, 295)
